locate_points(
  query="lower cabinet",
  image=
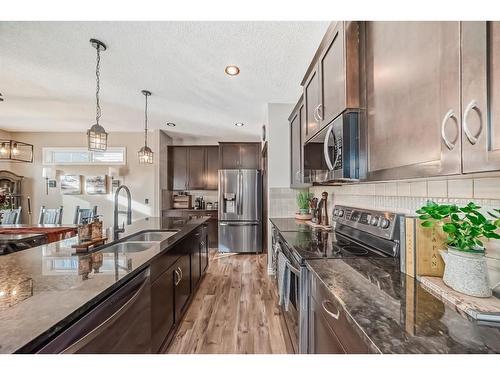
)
(329, 329)
(162, 308)
(182, 283)
(177, 276)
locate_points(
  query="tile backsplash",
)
(282, 202)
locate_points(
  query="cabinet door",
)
(312, 103)
(196, 168)
(250, 155)
(213, 232)
(195, 259)
(332, 78)
(229, 156)
(182, 283)
(322, 340)
(295, 150)
(413, 99)
(481, 96)
(204, 248)
(162, 309)
(179, 168)
(212, 167)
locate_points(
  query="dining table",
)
(15, 237)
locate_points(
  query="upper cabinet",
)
(413, 99)
(297, 130)
(480, 96)
(332, 84)
(193, 167)
(432, 98)
(239, 155)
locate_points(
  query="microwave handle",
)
(325, 148)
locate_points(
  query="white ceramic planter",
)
(466, 272)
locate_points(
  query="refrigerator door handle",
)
(240, 193)
(236, 224)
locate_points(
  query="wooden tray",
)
(320, 226)
(477, 308)
(84, 246)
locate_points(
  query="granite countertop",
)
(393, 313)
(45, 288)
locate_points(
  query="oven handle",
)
(293, 269)
(333, 315)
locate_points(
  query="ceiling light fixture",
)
(239, 124)
(171, 124)
(232, 70)
(96, 136)
(145, 153)
(11, 150)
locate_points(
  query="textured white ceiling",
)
(47, 74)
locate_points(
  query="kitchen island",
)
(45, 289)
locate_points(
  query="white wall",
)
(143, 180)
(278, 144)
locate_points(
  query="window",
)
(82, 156)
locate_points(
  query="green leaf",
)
(424, 217)
(421, 211)
(474, 220)
(492, 235)
(492, 215)
(449, 228)
(479, 243)
(427, 224)
(489, 227)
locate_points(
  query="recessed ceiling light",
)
(232, 70)
(239, 124)
(171, 124)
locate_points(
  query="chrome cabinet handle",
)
(178, 278)
(180, 272)
(325, 148)
(333, 315)
(472, 106)
(320, 109)
(449, 115)
(315, 113)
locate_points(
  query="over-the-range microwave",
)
(332, 155)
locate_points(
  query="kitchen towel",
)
(283, 280)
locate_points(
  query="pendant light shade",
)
(97, 137)
(145, 154)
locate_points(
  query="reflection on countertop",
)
(43, 288)
(394, 314)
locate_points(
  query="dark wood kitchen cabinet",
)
(332, 84)
(239, 155)
(330, 331)
(297, 126)
(162, 308)
(193, 167)
(182, 285)
(196, 168)
(212, 168)
(178, 163)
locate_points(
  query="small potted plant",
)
(465, 262)
(303, 201)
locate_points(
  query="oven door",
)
(292, 315)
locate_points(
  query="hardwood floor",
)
(234, 311)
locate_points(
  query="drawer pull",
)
(333, 315)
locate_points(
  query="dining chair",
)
(50, 215)
(10, 216)
(84, 214)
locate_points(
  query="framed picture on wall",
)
(96, 184)
(71, 184)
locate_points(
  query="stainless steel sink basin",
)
(152, 236)
(130, 247)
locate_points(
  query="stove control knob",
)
(374, 221)
(385, 223)
(336, 212)
(341, 213)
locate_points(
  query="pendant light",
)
(96, 136)
(145, 154)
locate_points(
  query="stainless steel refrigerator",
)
(240, 210)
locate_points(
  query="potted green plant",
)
(303, 202)
(466, 228)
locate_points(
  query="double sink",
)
(141, 242)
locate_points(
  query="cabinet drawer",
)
(336, 319)
(163, 263)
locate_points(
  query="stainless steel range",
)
(358, 233)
